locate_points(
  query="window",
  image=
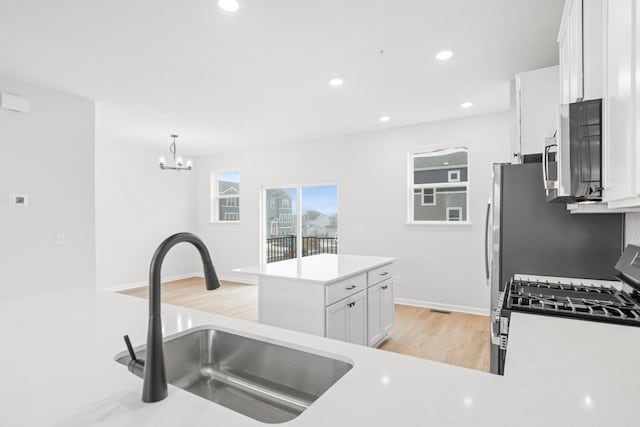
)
(428, 197)
(438, 186)
(225, 200)
(306, 223)
(454, 214)
(231, 216)
(272, 203)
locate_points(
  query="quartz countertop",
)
(58, 370)
(322, 268)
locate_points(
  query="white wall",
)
(137, 206)
(48, 154)
(436, 264)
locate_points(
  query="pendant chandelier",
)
(178, 164)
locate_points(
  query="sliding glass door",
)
(299, 221)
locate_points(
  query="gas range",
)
(606, 301)
(572, 298)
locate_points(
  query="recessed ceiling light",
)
(445, 163)
(467, 104)
(384, 119)
(336, 81)
(444, 55)
(229, 5)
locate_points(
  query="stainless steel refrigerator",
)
(527, 235)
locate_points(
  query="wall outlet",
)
(18, 200)
(61, 238)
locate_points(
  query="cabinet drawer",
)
(344, 288)
(379, 274)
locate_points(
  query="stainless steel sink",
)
(267, 382)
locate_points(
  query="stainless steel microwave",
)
(572, 160)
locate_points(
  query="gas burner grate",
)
(577, 300)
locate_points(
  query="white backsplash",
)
(632, 229)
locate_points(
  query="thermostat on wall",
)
(18, 200)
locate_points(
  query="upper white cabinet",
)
(536, 108)
(581, 50)
(621, 114)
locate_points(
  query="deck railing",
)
(285, 247)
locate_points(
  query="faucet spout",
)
(155, 376)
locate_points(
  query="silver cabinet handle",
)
(384, 273)
(351, 287)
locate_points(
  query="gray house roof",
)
(436, 159)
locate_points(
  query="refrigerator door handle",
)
(486, 241)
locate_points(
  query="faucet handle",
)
(132, 353)
(135, 366)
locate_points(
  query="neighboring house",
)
(447, 203)
(229, 207)
(317, 224)
(280, 218)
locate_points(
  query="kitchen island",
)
(344, 297)
(58, 369)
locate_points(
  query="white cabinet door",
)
(537, 105)
(356, 319)
(346, 320)
(386, 307)
(576, 84)
(619, 116)
(337, 321)
(565, 66)
(374, 323)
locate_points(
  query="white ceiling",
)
(228, 82)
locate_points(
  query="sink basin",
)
(267, 382)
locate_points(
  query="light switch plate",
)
(15, 102)
(18, 200)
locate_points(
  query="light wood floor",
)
(454, 338)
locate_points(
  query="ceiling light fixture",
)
(178, 164)
(229, 5)
(467, 104)
(384, 119)
(444, 55)
(336, 81)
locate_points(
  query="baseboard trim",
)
(440, 306)
(238, 279)
(118, 288)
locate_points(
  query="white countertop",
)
(322, 268)
(57, 369)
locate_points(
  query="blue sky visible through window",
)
(322, 198)
(230, 176)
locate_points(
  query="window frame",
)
(454, 209)
(411, 187)
(298, 223)
(433, 197)
(216, 198)
(456, 171)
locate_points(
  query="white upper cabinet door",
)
(620, 116)
(575, 51)
(565, 68)
(537, 105)
(580, 45)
